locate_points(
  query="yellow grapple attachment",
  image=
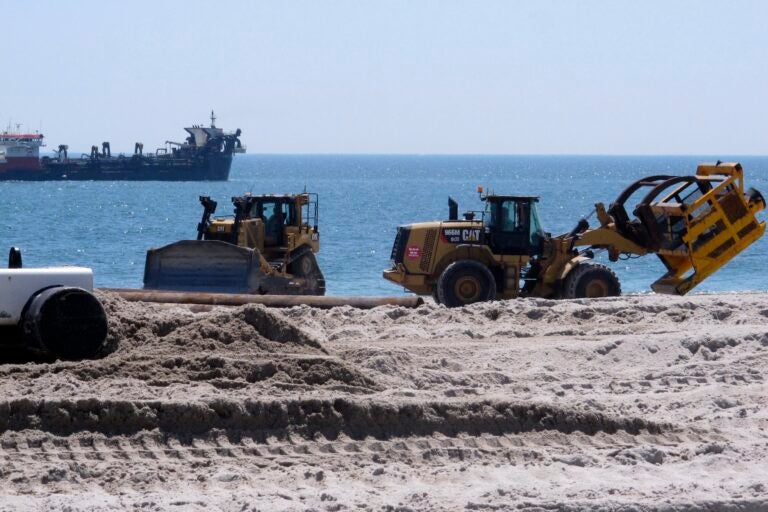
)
(697, 224)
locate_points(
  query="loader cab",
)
(512, 225)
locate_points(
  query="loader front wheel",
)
(465, 282)
(591, 280)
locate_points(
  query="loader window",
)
(536, 232)
(510, 216)
(513, 227)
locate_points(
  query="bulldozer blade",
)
(214, 266)
(204, 266)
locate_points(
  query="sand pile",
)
(632, 403)
(154, 327)
(171, 354)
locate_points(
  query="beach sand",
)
(628, 403)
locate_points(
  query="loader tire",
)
(591, 280)
(465, 282)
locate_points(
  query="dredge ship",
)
(206, 155)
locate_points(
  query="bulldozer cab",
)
(289, 221)
(276, 213)
(273, 224)
(512, 226)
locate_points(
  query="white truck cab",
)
(50, 310)
(18, 284)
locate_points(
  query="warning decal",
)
(413, 252)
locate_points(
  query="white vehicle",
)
(50, 310)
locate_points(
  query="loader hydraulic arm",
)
(608, 236)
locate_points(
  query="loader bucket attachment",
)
(697, 224)
(205, 266)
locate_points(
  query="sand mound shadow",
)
(230, 372)
(357, 419)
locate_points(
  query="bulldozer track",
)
(291, 432)
(661, 384)
(159, 447)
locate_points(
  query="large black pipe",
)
(69, 323)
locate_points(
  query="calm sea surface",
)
(109, 225)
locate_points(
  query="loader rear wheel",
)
(591, 280)
(465, 282)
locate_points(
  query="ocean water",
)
(109, 225)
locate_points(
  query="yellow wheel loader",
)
(267, 247)
(694, 224)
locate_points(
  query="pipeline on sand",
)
(274, 301)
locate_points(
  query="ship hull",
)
(211, 167)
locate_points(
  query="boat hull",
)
(211, 167)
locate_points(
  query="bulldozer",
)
(693, 224)
(267, 247)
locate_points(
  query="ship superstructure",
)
(21, 150)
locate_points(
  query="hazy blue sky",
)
(580, 77)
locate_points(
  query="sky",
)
(404, 77)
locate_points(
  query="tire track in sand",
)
(155, 446)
